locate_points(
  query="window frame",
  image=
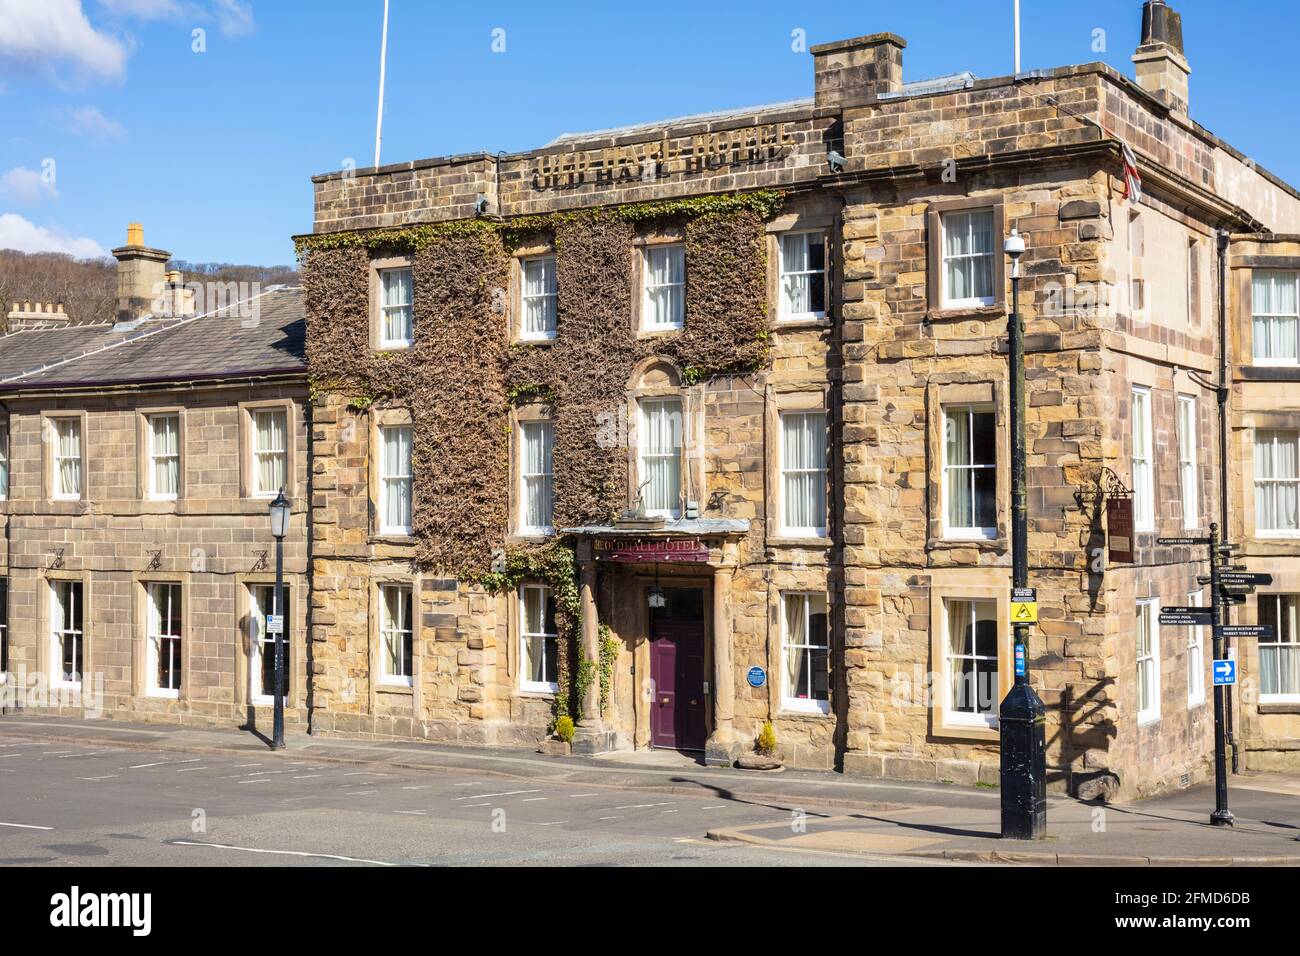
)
(810, 531)
(55, 421)
(1189, 476)
(388, 679)
(671, 514)
(644, 293)
(527, 685)
(1146, 496)
(1147, 608)
(1256, 481)
(789, 702)
(522, 427)
(55, 632)
(1272, 362)
(978, 533)
(946, 301)
(151, 456)
(154, 636)
(523, 333)
(976, 718)
(379, 340)
(259, 640)
(816, 315)
(1277, 642)
(384, 480)
(5, 463)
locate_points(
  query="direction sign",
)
(1182, 541)
(1186, 620)
(1227, 597)
(1186, 609)
(1225, 672)
(1225, 548)
(1237, 577)
(1264, 631)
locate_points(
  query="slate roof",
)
(263, 335)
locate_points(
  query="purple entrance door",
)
(677, 716)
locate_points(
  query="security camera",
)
(482, 205)
(836, 161)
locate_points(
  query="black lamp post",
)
(1021, 716)
(280, 513)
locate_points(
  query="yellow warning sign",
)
(1024, 612)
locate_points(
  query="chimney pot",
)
(134, 234)
(1160, 62)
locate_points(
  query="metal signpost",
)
(1229, 585)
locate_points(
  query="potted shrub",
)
(560, 742)
(765, 755)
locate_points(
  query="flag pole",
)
(383, 60)
(1017, 37)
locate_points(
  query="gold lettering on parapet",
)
(675, 158)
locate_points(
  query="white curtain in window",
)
(1143, 491)
(165, 437)
(1275, 322)
(69, 457)
(803, 274)
(397, 285)
(4, 461)
(661, 448)
(539, 296)
(271, 446)
(1276, 481)
(957, 452)
(533, 646)
(796, 639)
(968, 255)
(397, 478)
(538, 439)
(665, 286)
(803, 468)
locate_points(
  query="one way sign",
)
(1225, 672)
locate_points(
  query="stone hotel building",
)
(679, 428)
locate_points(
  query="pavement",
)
(115, 793)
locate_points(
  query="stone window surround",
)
(814, 219)
(514, 636)
(936, 310)
(515, 294)
(248, 433)
(45, 624)
(533, 412)
(1267, 421)
(376, 299)
(293, 635)
(1245, 319)
(654, 236)
(143, 462)
(794, 397)
(140, 682)
(938, 395)
(983, 586)
(801, 581)
(380, 419)
(382, 576)
(49, 437)
(659, 378)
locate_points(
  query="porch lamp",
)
(1021, 715)
(280, 513)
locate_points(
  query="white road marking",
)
(553, 823)
(423, 786)
(300, 853)
(107, 776)
(503, 793)
(417, 813)
(93, 753)
(714, 806)
(188, 769)
(241, 766)
(360, 793)
(610, 818)
(574, 796)
(46, 753)
(533, 799)
(258, 780)
(478, 804)
(162, 763)
(308, 776)
(640, 806)
(361, 773)
(25, 826)
(667, 811)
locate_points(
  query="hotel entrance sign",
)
(635, 550)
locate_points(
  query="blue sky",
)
(213, 150)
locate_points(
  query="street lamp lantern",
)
(1021, 716)
(281, 510)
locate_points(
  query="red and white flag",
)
(1132, 179)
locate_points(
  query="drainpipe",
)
(1222, 396)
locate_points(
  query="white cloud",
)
(52, 36)
(89, 121)
(18, 233)
(234, 17)
(143, 9)
(27, 186)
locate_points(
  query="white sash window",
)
(67, 458)
(1187, 477)
(397, 308)
(661, 456)
(270, 451)
(396, 635)
(536, 441)
(803, 275)
(68, 634)
(1277, 482)
(1143, 484)
(164, 456)
(395, 480)
(1148, 661)
(803, 474)
(163, 645)
(1279, 656)
(664, 305)
(261, 644)
(538, 639)
(540, 296)
(968, 264)
(970, 474)
(971, 652)
(805, 653)
(1275, 318)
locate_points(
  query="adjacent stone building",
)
(137, 462)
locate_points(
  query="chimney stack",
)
(1162, 67)
(47, 315)
(141, 275)
(853, 72)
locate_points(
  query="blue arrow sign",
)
(1225, 672)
